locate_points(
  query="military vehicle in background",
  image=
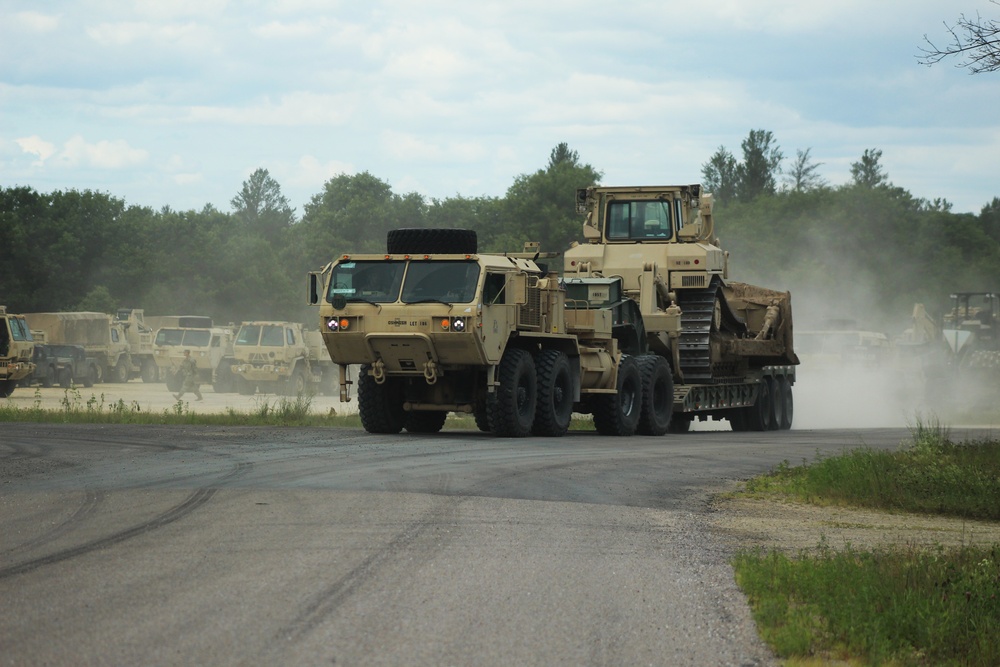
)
(842, 344)
(16, 351)
(211, 347)
(62, 365)
(642, 331)
(972, 329)
(122, 344)
(281, 358)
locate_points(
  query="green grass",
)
(899, 605)
(931, 474)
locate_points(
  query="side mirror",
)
(517, 290)
(315, 286)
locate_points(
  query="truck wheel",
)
(431, 241)
(554, 407)
(90, 379)
(66, 378)
(149, 372)
(244, 387)
(121, 371)
(757, 417)
(735, 417)
(295, 385)
(481, 412)
(512, 409)
(224, 379)
(7, 387)
(777, 403)
(48, 377)
(618, 413)
(657, 395)
(380, 405)
(425, 422)
(788, 411)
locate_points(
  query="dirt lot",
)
(154, 397)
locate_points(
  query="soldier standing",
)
(189, 371)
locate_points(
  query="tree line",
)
(786, 228)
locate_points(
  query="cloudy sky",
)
(176, 102)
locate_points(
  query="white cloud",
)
(126, 33)
(293, 109)
(37, 22)
(36, 146)
(187, 179)
(77, 152)
(310, 172)
(408, 147)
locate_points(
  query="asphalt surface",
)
(208, 545)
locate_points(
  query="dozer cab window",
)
(447, 282)
(639, 220)
(373, 282)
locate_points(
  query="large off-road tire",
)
(121, 371)
(512, 408)
(225, 381)
(618, 413)
(657, 395)
(380, 405)
(149, 372)
(757, 417)
(481, 413)
(296, 383)
(7, 387)
(425, 422)
(777, 403)
(431, 241)
(90, 379)
(66, 378)
(554, 406)
(49, 377)
(788, 412)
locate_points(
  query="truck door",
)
(498, 314)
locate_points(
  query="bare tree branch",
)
(977, 39)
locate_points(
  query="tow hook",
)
(431, 372)
(378, 371)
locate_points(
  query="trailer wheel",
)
(618, 413)
(431, 241)
(481, 412)
(657, 395)
(757, 417)
(554, 408)
(149, 372)
(422, 421)
(777, 403)
(512, 410)
(90, 379)
(788, 410)
(380, 405)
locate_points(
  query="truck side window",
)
(493, 288)
(290, 336)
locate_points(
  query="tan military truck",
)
(96, 332)
(211, 347)
(139, 336)
(281, 358)
(16, 350)
(439, 328)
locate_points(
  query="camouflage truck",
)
(16, 350)
(211, 347)
(439, 328)
(281, 358)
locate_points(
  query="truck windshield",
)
(448, 282)
(639, 220)
(270, 335)
(169, 337)
(371, 281)
(19, 329)
(197, 338)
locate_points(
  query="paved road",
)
(207, 545)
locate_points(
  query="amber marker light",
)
(445, 323)
(344, 323)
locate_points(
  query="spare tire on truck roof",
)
(419, 241)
